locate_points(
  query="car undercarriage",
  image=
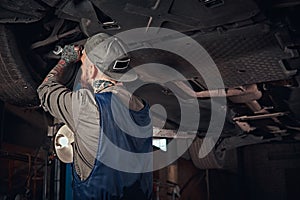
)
(255, 46)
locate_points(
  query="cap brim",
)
(128, 76)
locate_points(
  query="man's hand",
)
(71, 53)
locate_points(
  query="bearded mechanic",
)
(91, 113)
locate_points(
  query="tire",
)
(16, 84)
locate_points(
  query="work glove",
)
(71, 53)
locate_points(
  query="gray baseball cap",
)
(109, 55)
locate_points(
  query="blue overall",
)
(106, 182)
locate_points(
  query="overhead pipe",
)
(250, 90)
